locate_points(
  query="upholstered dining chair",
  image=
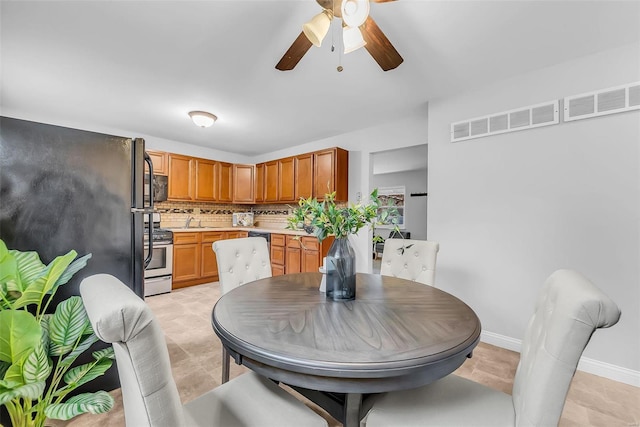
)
(410, 259)
(567, 312)
(149, 393)
(240, 261)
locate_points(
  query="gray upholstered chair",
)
(567, 312)
(410, 259)
(149, 393)
(240, 261)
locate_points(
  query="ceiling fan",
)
(358, 30)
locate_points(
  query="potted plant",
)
(327, 218)
(38, 348)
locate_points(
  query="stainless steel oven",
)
(158, 275)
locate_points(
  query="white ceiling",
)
(141, 66)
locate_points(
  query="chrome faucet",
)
(186, 224)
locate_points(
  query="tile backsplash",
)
(175, 214)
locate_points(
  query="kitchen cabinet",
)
(209, 263)
(243, 184)
(271, 181)
(304, 176)
(206, 182)
(331, 173)
(194, 261)
(259, 190)
(286, 180)
(186, 257)
(181, 172)
(236, 234)
(293, 251)
(277, 254)
(297, 254)
(283, 180)
(160, 161)
(226, 182)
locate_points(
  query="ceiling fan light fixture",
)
(202, 118)
(352, 39)
(354, 12)
(317, 28)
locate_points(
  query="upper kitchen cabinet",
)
(160, 161)
(226, 182)
(259, 190)
(206, 185)
(271, 181)
(304, 176)
(181, 172)
(243, 184)
(331, 173)
(286, 180)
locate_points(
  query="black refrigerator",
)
(63, 189)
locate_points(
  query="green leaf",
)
(8, 267)
(29, 266)
(94, 403)
(35, 292)
(104, 353)
(72, 269)
(37, 366)
(81, 348)
(67, 325)
(19, 335)
(4, 366)
(87, 372)
(44, 324)
(30, 391)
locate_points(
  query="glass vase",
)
(341, 271)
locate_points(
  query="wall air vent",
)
(602, 102)
(533, 116)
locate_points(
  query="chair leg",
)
(225, 365)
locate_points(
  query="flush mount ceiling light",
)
(202, 118)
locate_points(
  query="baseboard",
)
(591, 366)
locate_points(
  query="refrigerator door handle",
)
(149, 210)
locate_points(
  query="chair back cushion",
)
(120, 317)
(410, 259)
(567, 312)
(241, 261)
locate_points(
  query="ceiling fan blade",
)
(379, 46)
(295, 53)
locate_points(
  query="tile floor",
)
(196, 361)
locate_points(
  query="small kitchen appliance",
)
(242, 219)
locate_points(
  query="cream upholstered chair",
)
(240, 261)
(410, 259)
(149, 393)
(567, 312)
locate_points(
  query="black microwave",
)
(160, 188)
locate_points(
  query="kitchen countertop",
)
(231, 228)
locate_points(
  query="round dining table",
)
(397, 334)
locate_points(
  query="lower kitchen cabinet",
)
(186, 262)
(302, 254)
(278, 254)
(194, 261)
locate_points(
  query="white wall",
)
(415, 208)
(508, 210)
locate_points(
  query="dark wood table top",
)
(396, 334)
